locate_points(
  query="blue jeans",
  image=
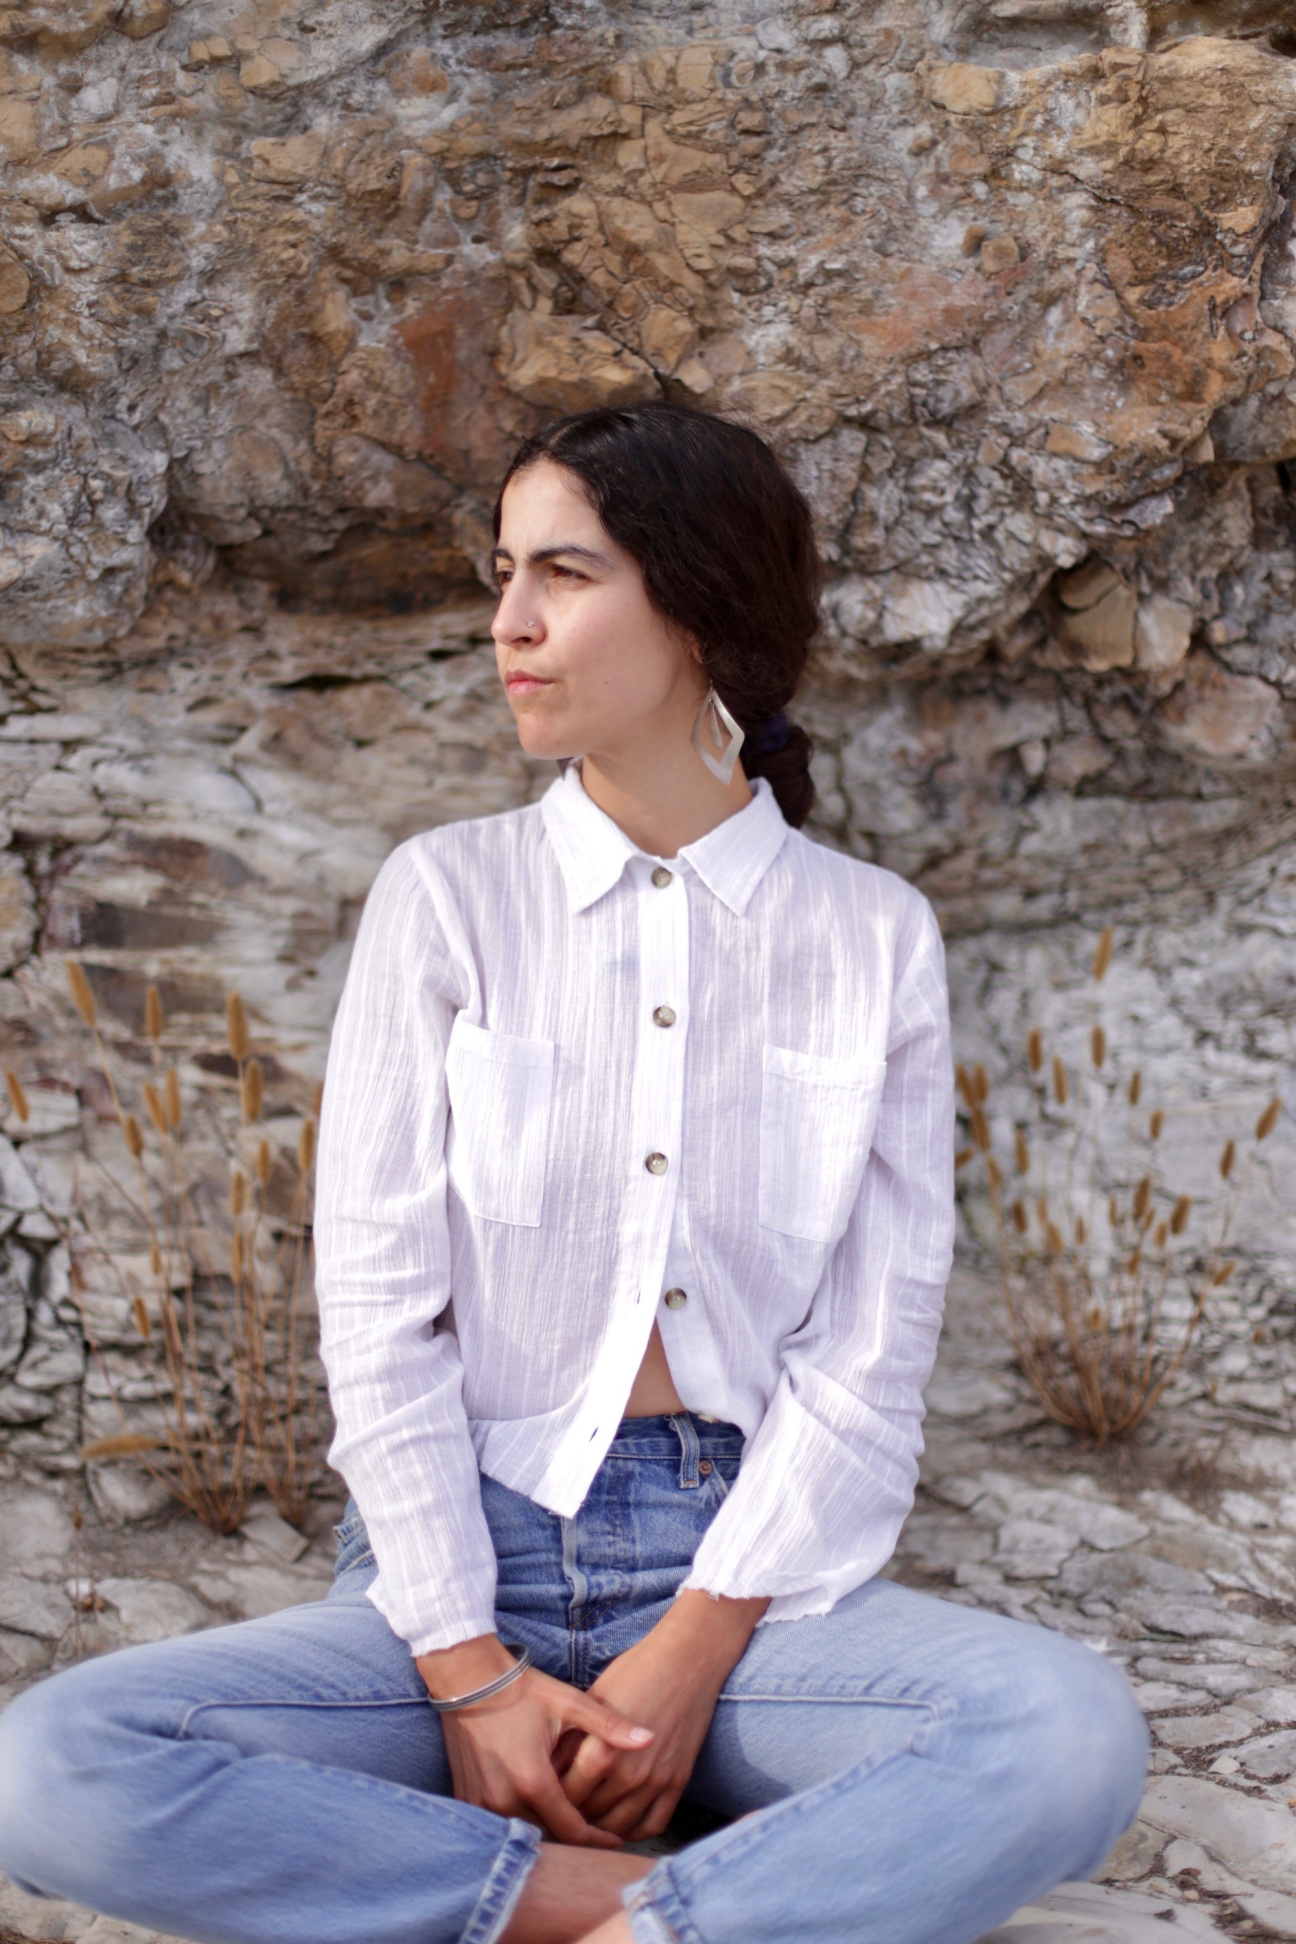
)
(916, 1770)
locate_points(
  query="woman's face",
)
(588, 664)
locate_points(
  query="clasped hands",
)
(602, 1767)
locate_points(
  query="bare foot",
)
(575, 1893)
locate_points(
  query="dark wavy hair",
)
(726, 546)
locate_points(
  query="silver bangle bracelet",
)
(496, 1686)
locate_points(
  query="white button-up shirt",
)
(518, 1160)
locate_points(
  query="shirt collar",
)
(593, 851)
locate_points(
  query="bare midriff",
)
(653, 1393)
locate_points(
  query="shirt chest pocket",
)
(501, 1091)
(816, 1128)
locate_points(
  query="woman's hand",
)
(501, 1751)
(671, 1680)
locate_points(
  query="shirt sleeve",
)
(383, 1271)
(828, 1480)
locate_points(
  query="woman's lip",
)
(520, 681)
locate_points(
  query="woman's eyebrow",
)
(539, 555)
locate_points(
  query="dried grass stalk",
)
(250, 1417)
(1087, 1310)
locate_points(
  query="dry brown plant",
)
(1105, 1270)
(241, 1411)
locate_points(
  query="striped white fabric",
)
(521, 1152)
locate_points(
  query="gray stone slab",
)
(1095, 1913)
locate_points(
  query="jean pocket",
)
(353, 1548)
(816, 1129)
(501, 1090)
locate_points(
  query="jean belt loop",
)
(690, 1451)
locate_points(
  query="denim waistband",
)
(661, 1437)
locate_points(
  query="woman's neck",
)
(665, 803)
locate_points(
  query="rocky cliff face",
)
(1010, 282)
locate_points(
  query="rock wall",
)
(1011, 283)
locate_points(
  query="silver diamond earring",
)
(713, 721)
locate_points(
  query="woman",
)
(634, 1221)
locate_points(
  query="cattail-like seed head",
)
(1156, 1122)
(82, 997)
(1098, 1046)
(1021, 1152)
(1061, 1091)
(964, 1082)
(154, 1020)
(263, 1163)
(143, 1321)
(174, 1104)
(155, 1259)
(1113, 1212)
(238, 1194)
(134, 1136)
(994, 1174)
(306, 1146)
(1055, 1241)
(1179, 1215)
(1149, 1217)
(1081, 1231)
(236, 1027)
(1041, 1209)
(76, 1275)
(980, 1084)
(1020, 1218)
(1035, 1049)
(171, 1331)
(253, 1090)
(1103, 956)
(17, 1097)
(156, 1111)
(1135, 1087)
(1227, 1159)
(1132, 1266)
(962, 1157)
(78, 1518)
(236, 1255)
(125, 1445)
(1094, 1318)
(1268, 1120)
(1142, 1197)
(1222, 1274)
(980, 1130)
(1161, 1236)
(319, 1100)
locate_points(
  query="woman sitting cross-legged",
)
(634, 1220)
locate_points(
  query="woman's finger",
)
(597, 1718)
(656, 1818)
(564, 1822)
(629, 1811)
(592, 1762)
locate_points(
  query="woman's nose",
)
(517, 616)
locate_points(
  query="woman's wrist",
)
(468, 1665)
(712, 1630)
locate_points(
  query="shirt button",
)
(656, 1164)
(664, 1016)
(661, 877)
(675, 1299)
